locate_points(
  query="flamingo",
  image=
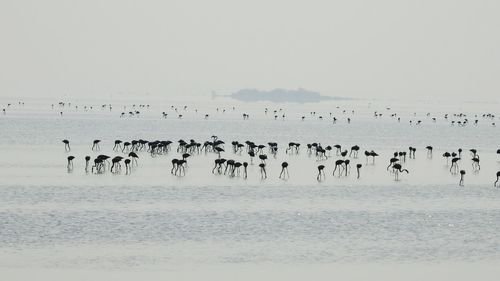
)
(398, 169)
(320, 172)
(70, 162)
(284, 170)
(66, 145)
(475, 162)
(134, 157)
(245, 165)
(263, 170)
(447, 156)
(95, 145)
(429, 151)
(87, 160)
(462, 173)
(454, 164)
(127, 166)
(339, 164)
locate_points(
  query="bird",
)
(245, 166)
(95, 145)
(462, 173)
(454, 164)
(174, 165)
(338, 164)
(218, 165)
(473, 152)
(263, 158)
(263, 170)
(429, 151)
(87, 160)
(134, 157)
(219, 150)
(347, 166)
(321, 173)
(70, 162)
(343, 153)
(116, 163)
(284, 170)
(392, 162)
(498, 177)
(236, 168)
(412, 152)
(127, 166)
(354, 151)
(373, 154)
(358, 166)
(66, 145)
(475, 163)
(447, 155)
(398, 169)
(98, 165)
(118, 145)
(339, 148)
(180, 167)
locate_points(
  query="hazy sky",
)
(367, 48)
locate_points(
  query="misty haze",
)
(249, 140)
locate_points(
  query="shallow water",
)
(150, 219)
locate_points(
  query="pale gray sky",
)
(357, 48)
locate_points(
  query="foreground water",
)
(150, 220)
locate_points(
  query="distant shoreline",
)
(282, 95)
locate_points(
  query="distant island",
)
(282, 95)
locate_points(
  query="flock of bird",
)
(129, 151)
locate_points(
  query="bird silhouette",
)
(338, 164)
(398, 169)
(462, 173)
(473, 152)
(98, 165)
(115, 163)
(134, 157)
(358, 167)
(284, 170)
(354, 151)
(180, 167)
(263, 170)
(66, 145)
(70, 162)
(236, 168)
(118, 145)
(347, 166)
(128, 169)
(373, 154)
(245, 166)
(454, 164)
(174, 165)
(412, 152)
(263, 158)
(95, 145)
(447, 155)
(87, 160)
(475, 163)
(392, 161)
(339, 149)
(343, 153)
(321, 173)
